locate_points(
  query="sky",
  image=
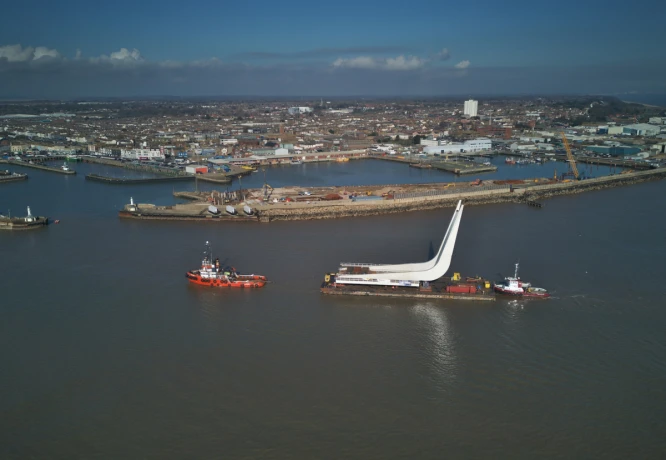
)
(78, 49)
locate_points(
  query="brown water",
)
(107, 352)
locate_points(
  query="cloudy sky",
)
(296, 48)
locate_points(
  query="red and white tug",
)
(212, 274)
(514, 286)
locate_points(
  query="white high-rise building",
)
(471, 108)
(297, 110)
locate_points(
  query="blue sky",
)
(122, 48)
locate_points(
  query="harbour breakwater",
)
(216, 178)
(484, 196)
(193, 212)
(39, 166)
(124, 181)
(456, 167)
(136, 167)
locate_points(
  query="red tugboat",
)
(514, 286)
(211, 274)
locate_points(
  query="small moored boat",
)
(212, 274)
(248, 210)
(231, 210)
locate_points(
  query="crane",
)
(570, 158)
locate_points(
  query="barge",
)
(445, 289)
(28, 222)
(8, 176)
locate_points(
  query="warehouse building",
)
(615, 150)
(641, 129)
(470, 146)
(298, 110)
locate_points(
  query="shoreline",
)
(643, 104)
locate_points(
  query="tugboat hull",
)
(524, 293)
(241, 281)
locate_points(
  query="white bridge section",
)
(409, 274)
(416, 267)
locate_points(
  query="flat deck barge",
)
(8, 176)
(437, 292)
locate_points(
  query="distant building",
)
(298, 110)
(356, 144)
(471, 108)
(428, 142)
(270, 152)
(495, 131)
(659, 148)
(142, 154)
(641, 129)
(470, 146)
(616, 150)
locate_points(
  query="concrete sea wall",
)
(358, 209)
(123, 181)
(412, 202)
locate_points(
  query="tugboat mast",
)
(516, 273)
(208, 254)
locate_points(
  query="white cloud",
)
(42, 51)
(126, 55)
(14, 56)
(462, 65)
(367, 62)
(121, 57)
(404, 63)
(443, 55)
(16, 53)
(362, 62)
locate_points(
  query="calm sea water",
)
(107, 352)
(650, 99)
